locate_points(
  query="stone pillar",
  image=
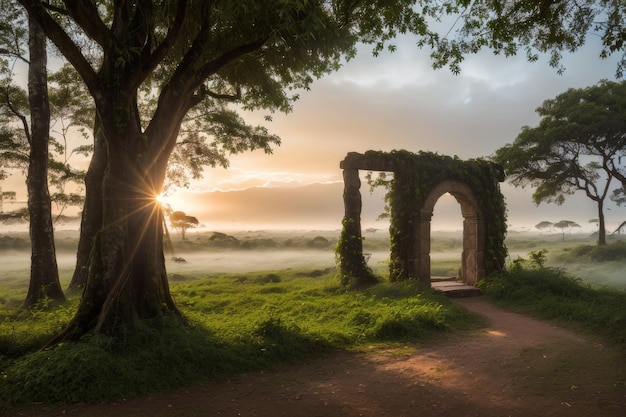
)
(352, 196)
(422, 233)
(352, 265)
(401, 255)
(470, 250)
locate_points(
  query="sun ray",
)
(161, 199)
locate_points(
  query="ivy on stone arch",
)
(419, 179)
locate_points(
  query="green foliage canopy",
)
(544, 225)
(536, 27)
(565, 225)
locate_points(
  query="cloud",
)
(396, 101)
(308, 207)
(315, 206)
(469, 115)
(236, 179)
(320, 206)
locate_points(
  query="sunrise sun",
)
(161, 199)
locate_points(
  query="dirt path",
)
(518, 366)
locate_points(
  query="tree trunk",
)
(44, 273)
(126, 280)
(126, 276)
(601, 224)
(91, 219)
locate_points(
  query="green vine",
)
(353, 270)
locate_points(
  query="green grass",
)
(312, 304)
(238, 323)
(593, 264)
(552, 294)
(614, 251)
(446, 268)
(235, 323)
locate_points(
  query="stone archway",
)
(473, 256)
(419, 181)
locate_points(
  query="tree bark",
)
(134, 248)
(126, 279)
(601, 224)
(44, 273)
(91, 219)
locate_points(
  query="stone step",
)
(455, 289)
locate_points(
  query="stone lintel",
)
(370, 161)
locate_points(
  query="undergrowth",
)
(615, 251)
(235, 324)
(529, 286)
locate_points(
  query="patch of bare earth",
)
(517, 366)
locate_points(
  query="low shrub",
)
(615, 251)
(552, 294)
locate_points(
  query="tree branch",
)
(4, 51)
(231, 97)
(56, 9)
(85, 14)
(229, 56)
(177, 98)
(193, 71)
(165, 47)
(65, 44)
(18, 115)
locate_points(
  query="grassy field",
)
(236, 323)
(256, 300)
(251, 301)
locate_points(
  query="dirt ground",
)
(517, 366)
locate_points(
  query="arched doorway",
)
(446, 240)
(418, 182)
(473, 254)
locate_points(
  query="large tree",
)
(189, 57)
(44, 276)
(577, 146)
(565, 225)
(69, 109)
(44, 273)
(205, 54)
(52, 105)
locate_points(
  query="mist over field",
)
(207, 252)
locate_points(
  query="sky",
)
(394, 101)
